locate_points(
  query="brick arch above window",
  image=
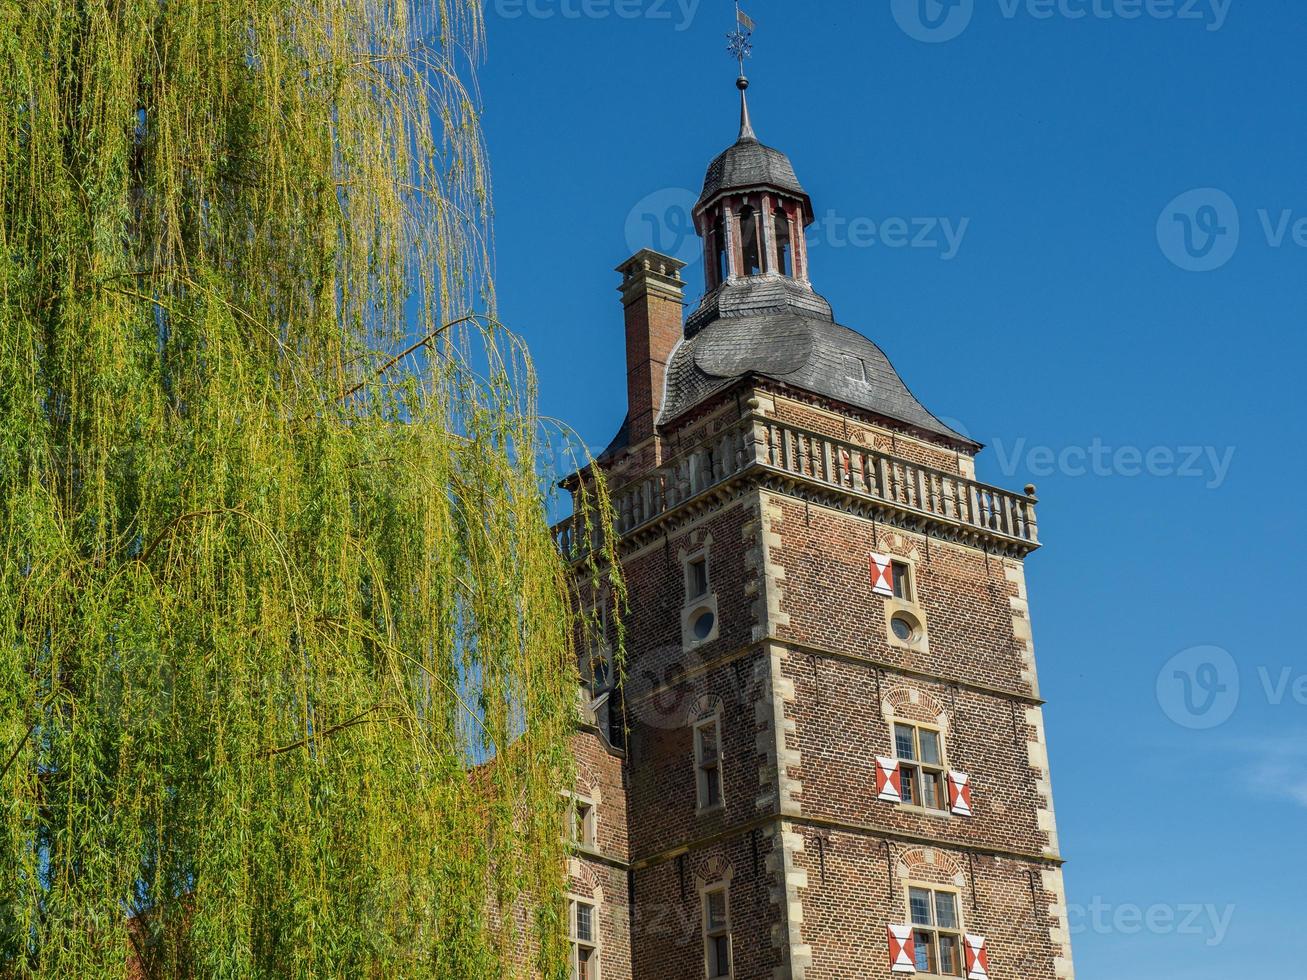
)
(705, 707)
(898, 545)
(931, 866)
(913, 704)
(713, 870)
(584, 882)
(587, 780)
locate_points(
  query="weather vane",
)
(740, 41)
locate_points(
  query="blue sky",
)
(1133, 348)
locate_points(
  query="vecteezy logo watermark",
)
(933, 21)
(664, 222)
(1101, 918)
(1199, 230)
(936, 21)
(1198, 688)
(680, 13)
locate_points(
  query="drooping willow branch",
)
(288, 656)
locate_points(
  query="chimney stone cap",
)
(647, 268)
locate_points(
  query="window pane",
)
(707, 743)
(712, 786)
(585, 969)
(721, 956)
(919, 899)
(925, 949)
(908, 778)
(932, 790)
(930, 748)
(716, 911)
(950, 956)
(904, 742)
(698, 578)
(585, 922)
(946, 910)
(900, 580)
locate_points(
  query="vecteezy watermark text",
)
(664, 221)
(938, 234)
(1102, 918)
(679, 13)
(937, 21)
(1099, 459)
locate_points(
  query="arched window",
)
(719, 250)
(784, 248)
(750, 251)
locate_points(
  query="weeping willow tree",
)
(275, 570)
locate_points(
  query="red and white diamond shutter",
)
(902, 950)
(889, 780)
(882, 575)
(977, 958)
(959, 793)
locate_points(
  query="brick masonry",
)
(807, 680)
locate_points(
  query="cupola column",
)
(734, 260)
(769, 262)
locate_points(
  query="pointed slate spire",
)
(746, 125)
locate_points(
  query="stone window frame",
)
(910, 609)
(588, 840)
(712, 719)
(960, 930)
(696, 606)
(931, 715)
(598, 610)
(720, 886)
(938, 728)
(595, 944)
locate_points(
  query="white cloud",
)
(1279, 769)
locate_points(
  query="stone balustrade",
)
(823, 462)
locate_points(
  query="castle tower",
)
(834, 761)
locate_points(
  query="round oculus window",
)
(702, 624)
(904, 628)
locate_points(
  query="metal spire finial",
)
(740, 44)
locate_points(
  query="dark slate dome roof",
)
(746, 165)
(755, 327)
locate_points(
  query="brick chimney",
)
(653, 294)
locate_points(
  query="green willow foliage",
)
(267, 586)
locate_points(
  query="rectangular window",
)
(696, 584)
(582, 822)
(902, 581)
(708, 763)
(585, 949)
(937, 931)
(920, 753)
(717, 932)
(597, 668)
